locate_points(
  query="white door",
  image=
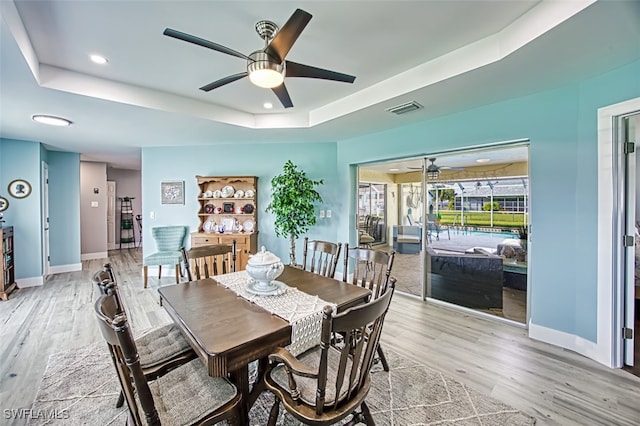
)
(111, 215)
(631, 129)
(46, 258)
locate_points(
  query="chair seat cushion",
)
(408, 239)
(160, 345)
(188, 393)
(308, 386)
(163, 258)
(366, 238)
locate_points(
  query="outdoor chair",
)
(371, 270)
(185, 395)
(326, 384)
(169, 240)
(161, 349)
(208, 261)
(322, 257)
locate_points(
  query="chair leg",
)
(368, 418)
(178, 273)
(273, 414)
(144, 268)
(159, 271)
(120, 402)
(383, 359)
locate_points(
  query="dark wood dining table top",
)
(228, 331)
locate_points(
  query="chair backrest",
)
(361, 327)
(371, 268)
(207, 261)
(169, 238)
(115, 330)
(322, 257)
(105, 281)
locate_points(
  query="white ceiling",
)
(446, 55)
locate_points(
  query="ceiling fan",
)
(267, 67)
(433, 170)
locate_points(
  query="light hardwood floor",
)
(557, 386)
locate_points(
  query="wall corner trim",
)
(60, 269)
(92, 256)
(577, 344)
(30, 282)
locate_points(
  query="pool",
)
(498, 235)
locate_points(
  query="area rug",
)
(80, 387)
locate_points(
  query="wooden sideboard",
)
(218, 207)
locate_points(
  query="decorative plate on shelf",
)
(217, 193)
(209, 226)
(239, 194)
(248, 208)
(248, 225)
(249, 193)
(208, 208)
(228, 191)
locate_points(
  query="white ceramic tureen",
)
(263, 268)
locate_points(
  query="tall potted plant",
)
(293, 201)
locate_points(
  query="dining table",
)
(228, 332)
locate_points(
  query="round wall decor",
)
(4, 204)
(19, 188)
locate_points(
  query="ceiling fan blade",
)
(226, 80)
(282, 94)
(202, 42)
(294, 69)
(288, 34)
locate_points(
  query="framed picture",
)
(19, 188)
(4, 204)
(172, 192)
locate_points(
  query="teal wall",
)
(562, 127)
(265, 161)
(64, 208)
(22, 160)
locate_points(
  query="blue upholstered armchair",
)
(169, 240)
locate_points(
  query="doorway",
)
(453, 212)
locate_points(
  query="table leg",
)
(258, 386)
(240, 378)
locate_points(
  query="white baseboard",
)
(60, 269)
(30, 282)
(569, 341)
(91, 256)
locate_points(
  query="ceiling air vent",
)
(404, 108)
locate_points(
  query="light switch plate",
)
(94, 204)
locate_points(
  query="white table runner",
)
(303, 311)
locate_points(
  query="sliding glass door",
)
(458, 223)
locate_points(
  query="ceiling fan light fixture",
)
(433, 174)
(263, 71)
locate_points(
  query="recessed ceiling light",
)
(98, 59)
(394, 170)
(267, 105)
(483, 160)
(51, 120)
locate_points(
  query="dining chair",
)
(186, 395)
(371, 270)
(209, 260)
(326, 384)
(323, 257)
(161, 348)
(169, 240)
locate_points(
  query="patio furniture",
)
(407, 239)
